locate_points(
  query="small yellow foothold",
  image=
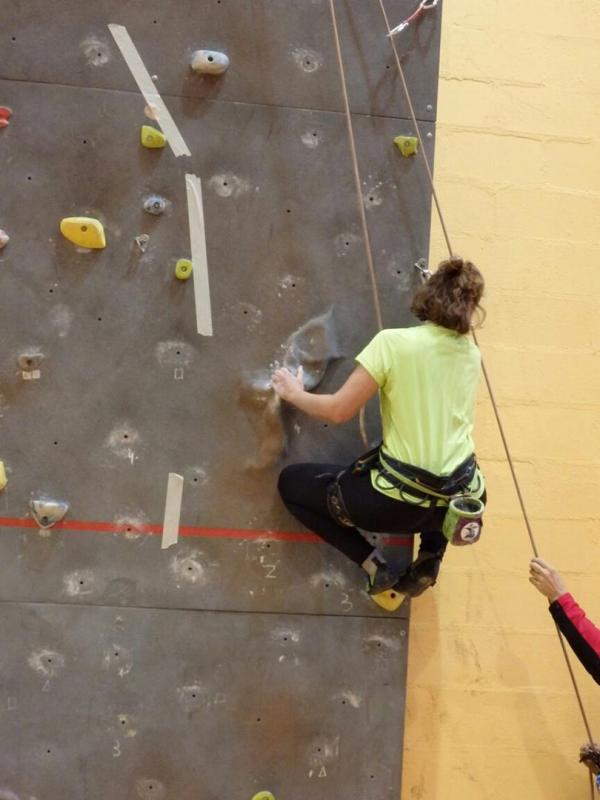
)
(83, 231)
(408, 145)
(152, 137)
(389, 600)
(3, 478)
(183, 269)
(263, 796)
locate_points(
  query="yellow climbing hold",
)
(152, 137)
(3, 478)
(83, 231)
(408, 145)
(183, 269)
(389, 600)
(263, 796)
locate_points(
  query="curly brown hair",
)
(451, 295)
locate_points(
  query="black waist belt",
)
(425, 487)
(457, 482)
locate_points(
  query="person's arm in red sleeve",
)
(578, 630)
(582, 635)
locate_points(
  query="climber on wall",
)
(427, 377)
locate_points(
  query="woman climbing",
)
(427, 379)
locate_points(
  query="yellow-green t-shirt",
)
(427, 378)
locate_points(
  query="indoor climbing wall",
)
(247, 655)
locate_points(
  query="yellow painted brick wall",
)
(490, 709)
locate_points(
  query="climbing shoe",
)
(418, 577)
(384, 578)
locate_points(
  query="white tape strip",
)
(149, 90)
(193, 187)
(170, 532)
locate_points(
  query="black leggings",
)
(303, 489)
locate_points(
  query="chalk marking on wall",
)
(170, 533)
(199, 258)
(149, 90)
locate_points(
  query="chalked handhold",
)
(152, 137)
(183, 269)
(142, 241)
(209, 62)
(155, 204)
(4, 238)
(83, 231)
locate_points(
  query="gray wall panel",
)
(107, 702)
(264, 621)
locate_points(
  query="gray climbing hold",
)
(28, 362)
(209, 62)
(47, 512)
(312, 347)
(155, 204)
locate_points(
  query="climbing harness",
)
(335, 503)
(460, 493)
(424, 6)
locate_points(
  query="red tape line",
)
(186, 530)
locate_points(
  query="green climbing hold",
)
(408, 145)
(152, 137)
(263, 796)
(183, 269)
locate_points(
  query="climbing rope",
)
(359, 197)
(425, 5)
(357, 180)
(485, 372)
